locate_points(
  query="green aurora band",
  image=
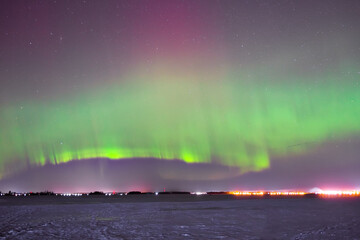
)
(230, 118)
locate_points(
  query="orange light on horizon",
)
(330, 193)
(247, 193)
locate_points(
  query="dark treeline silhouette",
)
(44, 193)
(174, 192)
(133, 193)
(96, 193)
(217, 193)
(248, 195)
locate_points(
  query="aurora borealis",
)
(231, 83)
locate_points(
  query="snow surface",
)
(220, 219)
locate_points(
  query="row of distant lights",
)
(339, 193)
(287, 193)
(121, 194)
(81, 194)
(247, 193)
(322, 193)
(329, 193)
(262, 193)
(157, 193)
(332, 193)
(71, 194)
(16, 194)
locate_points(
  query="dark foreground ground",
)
(177, 217)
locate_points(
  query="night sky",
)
(187, 95)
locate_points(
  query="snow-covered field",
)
(176, 219)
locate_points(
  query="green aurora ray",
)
(232, 118)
